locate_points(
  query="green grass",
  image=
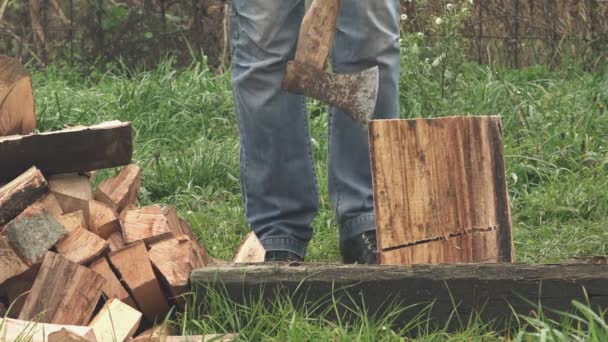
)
(556, 135)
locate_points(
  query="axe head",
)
(355, 94)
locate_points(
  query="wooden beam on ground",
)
(102, 219)
(439, 178)
(250, 250)
(34, 232)
(135, 270)
(175, 259)
(121, 190)
(14, 329)
(112, 288)
(74, 149)
(147, 224)
(20, 193)
(116, 321)
(81, 246)
(492, 290)
(65, 292)
(17, 109)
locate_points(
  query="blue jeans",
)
(278, 179)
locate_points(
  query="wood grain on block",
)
(102, 219)
(123, 213)
(250, 250)
(439, 177)
(112, 288)
(34, 232)
(493, 291)
(81, 246)
(73, 220)
(122, 189)
(20, 193)
(65, 335)
(135, 270)
(72, 191)
(173, 220)
(65, 292)
(11, 264)
(17, 109)
(74, 149)
(50, 203)
(477, 247)
(147, 224)
(16, 289)
(175, 259)
(116, 241)
(116, 321)
(15, 330)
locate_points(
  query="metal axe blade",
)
(355, 94)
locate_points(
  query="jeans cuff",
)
(285, 244)
(357, 226)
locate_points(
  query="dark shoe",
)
(360, 250)
(281, 256)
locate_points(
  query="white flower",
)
(403, 17)
(471, 2)
(450, 7)
(420, 34)
(400, 41)
(438, 21)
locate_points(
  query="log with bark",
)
(20, 193)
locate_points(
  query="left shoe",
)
(361, 249)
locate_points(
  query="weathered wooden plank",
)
(19, 330)
(121, 190)
(17, 109)
(65, 292)
(116, 321)
(20, 193)
(74, 149)
(493, 290)
(439, 177)
(135, 270)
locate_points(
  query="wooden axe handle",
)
(317, 33)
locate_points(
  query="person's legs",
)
(367, 35)
(278, 178)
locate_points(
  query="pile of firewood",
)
(78, 262)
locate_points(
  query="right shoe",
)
(282, 256)
(361, 249)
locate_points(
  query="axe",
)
(355, 94)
